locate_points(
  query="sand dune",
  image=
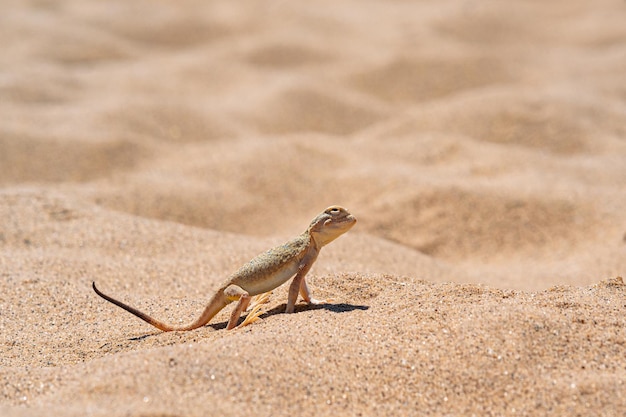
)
(155, 146)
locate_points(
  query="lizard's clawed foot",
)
(310, 301)
(316, 302)
(260, 299)
(255, 309)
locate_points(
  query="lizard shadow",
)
(279, 309)
(334, 307)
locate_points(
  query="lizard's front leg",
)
(306, 294)
(294, 288)
(297, 283)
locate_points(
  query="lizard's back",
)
(272, 268)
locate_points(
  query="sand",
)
(155, 146)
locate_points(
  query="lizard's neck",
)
(313, 244)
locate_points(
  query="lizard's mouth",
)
(345, 222)
(349, 219)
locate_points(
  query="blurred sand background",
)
(154, 146)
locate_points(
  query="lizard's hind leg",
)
(259, 300)
(255, 308)
(233, 293)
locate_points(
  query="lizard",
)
(264, 273)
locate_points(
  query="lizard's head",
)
(330, 224)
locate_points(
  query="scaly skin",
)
(265, 272)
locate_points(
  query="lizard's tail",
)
(209, 312)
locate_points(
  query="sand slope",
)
(155, 146)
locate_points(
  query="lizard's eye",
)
(334, 210)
